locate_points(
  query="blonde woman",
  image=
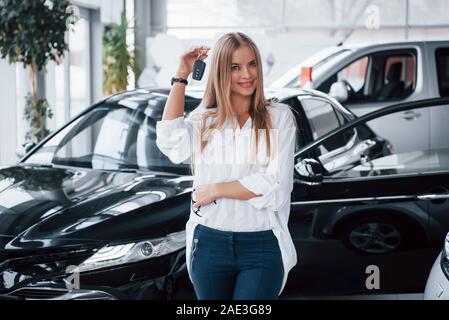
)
(241, 148)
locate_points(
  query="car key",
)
(198, 69)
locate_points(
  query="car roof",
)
(321, 55)
(392, 43)
(143, 93)
(133, 97)
(198, 93)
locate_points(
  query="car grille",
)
(43, 258)
(51, 293)
(21, 268)
(39, 294)
(19, 258)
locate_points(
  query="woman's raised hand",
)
(188, 58)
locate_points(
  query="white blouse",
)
(226, 158)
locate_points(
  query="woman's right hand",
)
(188, 59)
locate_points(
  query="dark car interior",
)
(442, 57)
(393, 86)
(389, 76)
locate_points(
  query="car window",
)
(398, 81)
(382, 76)
(323, 118)
(317, 61)
(303, 127)
(354, 74)
(295, 83)
(442, 58)
(377, 156)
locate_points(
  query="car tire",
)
(378, 234)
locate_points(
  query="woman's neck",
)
(240, 104)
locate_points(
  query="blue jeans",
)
(235, 265)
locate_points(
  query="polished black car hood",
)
(51, 207)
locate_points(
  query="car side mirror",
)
(310, 172)
(339, 91)
(22, 150)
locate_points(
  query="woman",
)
(241, 148)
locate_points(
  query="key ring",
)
(196, 210)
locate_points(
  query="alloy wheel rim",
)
(375, 237)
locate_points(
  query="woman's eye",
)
(235, 68)
(253, 64)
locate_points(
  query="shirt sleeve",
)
(174, 138)
(274, 186)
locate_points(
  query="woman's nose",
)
(245, 72)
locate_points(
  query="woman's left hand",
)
(204, 195)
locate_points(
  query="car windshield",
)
(112, 136)
(323, 58)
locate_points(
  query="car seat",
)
(394, 87)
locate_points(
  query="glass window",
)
(326, 13)
(317, 61)
(206, 18)
(73, 74)
(303, 136)
(79, 67)
(121, 135)
(61, 95)
(442, 56)
(355, 74)
(377, 156)
(323, 118)
(398, 79)
(383, 76)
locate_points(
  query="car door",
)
(439, 118)
(395, 191)
(377, 79)
(317, 116)
(439, 133)
(322, 116)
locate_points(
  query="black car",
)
(96, 211)
(391, 212)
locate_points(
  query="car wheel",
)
(376, 235)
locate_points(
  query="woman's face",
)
(244, 72)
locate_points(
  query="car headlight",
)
(445, 257)
(133, 252)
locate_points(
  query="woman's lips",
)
(246, 84)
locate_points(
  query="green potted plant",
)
(32, 32)
(118, 59)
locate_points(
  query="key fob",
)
(198, 69)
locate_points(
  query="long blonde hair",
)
(218, 94)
